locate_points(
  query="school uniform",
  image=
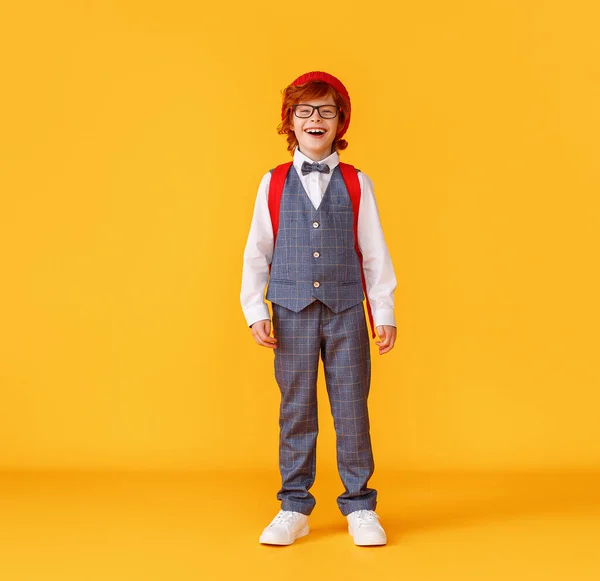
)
(316, 292)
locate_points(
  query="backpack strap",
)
(278, 177)
(350, 176)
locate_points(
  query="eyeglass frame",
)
(338, 110)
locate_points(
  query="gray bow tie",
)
(308, 167)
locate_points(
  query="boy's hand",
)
(261, 331)
(388, 336)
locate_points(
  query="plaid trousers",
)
(342, 341)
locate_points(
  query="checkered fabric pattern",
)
(342, 341)
(324, 321)
(332, 275)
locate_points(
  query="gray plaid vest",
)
(314, 256)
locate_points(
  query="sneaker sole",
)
(372, 543)
(301, 533)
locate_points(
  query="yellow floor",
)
(129, 526)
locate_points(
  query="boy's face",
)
(316, 145)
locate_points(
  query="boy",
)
(316, 290)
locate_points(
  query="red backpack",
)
(350, 178)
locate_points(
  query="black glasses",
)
(325, 111)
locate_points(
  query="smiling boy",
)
(314, 271)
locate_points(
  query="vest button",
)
(316, 284)
(316, 254)
(315, 224)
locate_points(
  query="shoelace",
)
(284, 517)
(366, 517)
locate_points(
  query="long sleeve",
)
(377, 263)
(257, 257)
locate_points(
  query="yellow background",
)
(133, 139)
(134, 136)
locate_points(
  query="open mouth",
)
(315, 132)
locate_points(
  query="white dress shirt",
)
(377, 264)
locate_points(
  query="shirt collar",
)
(332, 160)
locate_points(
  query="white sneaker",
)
(285, 528)
(364, 526)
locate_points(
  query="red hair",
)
(295, 94)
